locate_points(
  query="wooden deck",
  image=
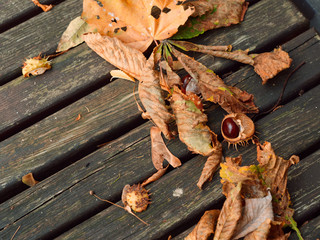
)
(109, 146)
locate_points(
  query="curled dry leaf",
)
(137, 23)
(159, 150)
(72, 36)
(230, 214)
(275, 170)
(121, 74)
(237, 128)
(35, 66)
(191, 122)
(268, 65)
(223, 14)
(29, 180)
(256, 211)
(44, 8)
(155, 176)
(212, 88)
(211, 164)
(205, 227)
(136, 197)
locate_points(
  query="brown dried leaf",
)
(230, 214)
(275, 170)
(29, 180)
(205, 227)
(128, 59)
(211, 164)
(268, 65)
(155, 176)
(159, 150)
(212, 88)
(150, 94)
(201, 7)
(231, 173)
(224, 14)
(261, 233)
(191, 122)
(256, 211)
(72, 36)
(44, 8)
(137, 23)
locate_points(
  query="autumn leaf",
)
(191, 122)
(223, 14)
(275, 170)
(126, 58)
(211, 164)
(29, 180)
(159, 151)
(121, 74)
(205, 227)
(212, 88)
(261, 233)
(255, 212)
(154, 177)
(44, 7)
(137, 23)
(72, 36)
(230, 214)
(267, 65)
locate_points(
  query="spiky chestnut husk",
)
(136, 197)
(237, 128)
(35, 66)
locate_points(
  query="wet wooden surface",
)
(109, 146)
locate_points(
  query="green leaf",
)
(188, 30)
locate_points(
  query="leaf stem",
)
(293, 225)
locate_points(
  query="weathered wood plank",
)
(299, 176)
(172, 211)
(39, 34)
(22, 97)
(60, 137)
(16, 150)
(73, 73)
(168, 212)
(14, 12)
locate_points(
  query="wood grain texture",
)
(170, 211)
(72, 73)
(13, 12)
(39, 34)
(60, 136)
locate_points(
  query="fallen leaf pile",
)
(257, 200)
(120, 32)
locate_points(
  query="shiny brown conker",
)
(230, 128)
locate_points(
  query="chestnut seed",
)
(230, 128)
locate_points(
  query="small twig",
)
(15, 232)
(116, 179)
(282, 92)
